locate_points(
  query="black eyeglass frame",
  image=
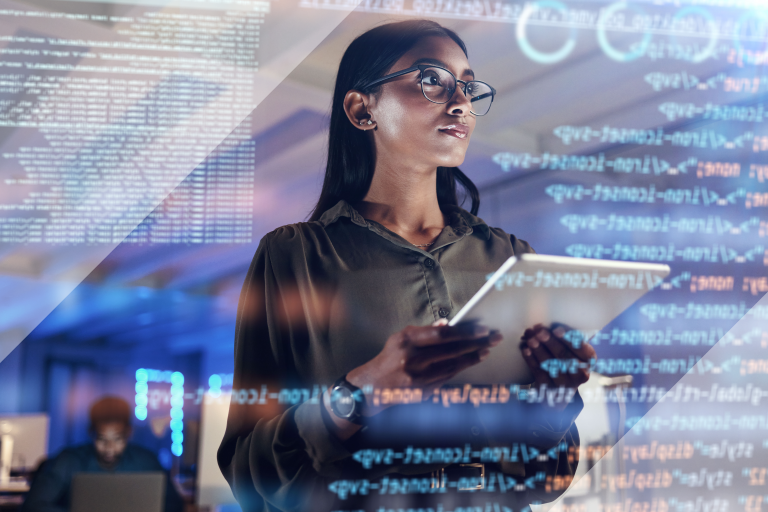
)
(421, 68)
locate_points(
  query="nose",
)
(459, 103)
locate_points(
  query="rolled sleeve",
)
(323, 447)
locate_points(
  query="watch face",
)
(342, 401)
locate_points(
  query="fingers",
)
(545, 347)
(530, 332)
(580, 349)
(555, 345)
(536, 344)
(422, 358)
(558, 347)
(444, 370)
(440, 334)
(571, 364)
(539, 375)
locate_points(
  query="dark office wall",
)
(63, 379)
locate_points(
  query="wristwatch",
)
(347, 401)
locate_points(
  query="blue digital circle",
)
(522, 39)
(177, 449)
(141, 413)
(602, 38)
(142, 375)
(706, 52)
(747, 16)
(177, 378)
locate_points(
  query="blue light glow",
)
(141, 394)
(177, 414)
(214, 381)
(176, 379)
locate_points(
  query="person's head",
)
(405, 126)
(110, 428)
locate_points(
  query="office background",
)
(147, 147)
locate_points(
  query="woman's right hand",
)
(416, 357)
(424, 357)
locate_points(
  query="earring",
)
(363, 121)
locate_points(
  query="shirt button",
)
(475, 430)
(429, 263)
(443, 312)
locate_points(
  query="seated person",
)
(110, 452)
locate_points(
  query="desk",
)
(16, 484)
(12, 494)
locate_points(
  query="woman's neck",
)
(404, 202)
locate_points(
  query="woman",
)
(358, 299)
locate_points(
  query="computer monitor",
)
(29, 433)
(118, 492)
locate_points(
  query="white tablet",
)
(530, 289)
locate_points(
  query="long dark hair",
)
(351, 159)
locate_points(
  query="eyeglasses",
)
(438, 85)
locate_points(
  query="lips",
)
(460, 131)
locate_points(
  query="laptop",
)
(118, 492)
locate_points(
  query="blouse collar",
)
(461, 221)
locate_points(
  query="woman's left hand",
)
(540, 344)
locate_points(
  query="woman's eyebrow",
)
(437, 62)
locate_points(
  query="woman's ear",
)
(356, 108)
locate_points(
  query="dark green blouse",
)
(321, 298)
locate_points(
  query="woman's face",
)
(412, 130)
